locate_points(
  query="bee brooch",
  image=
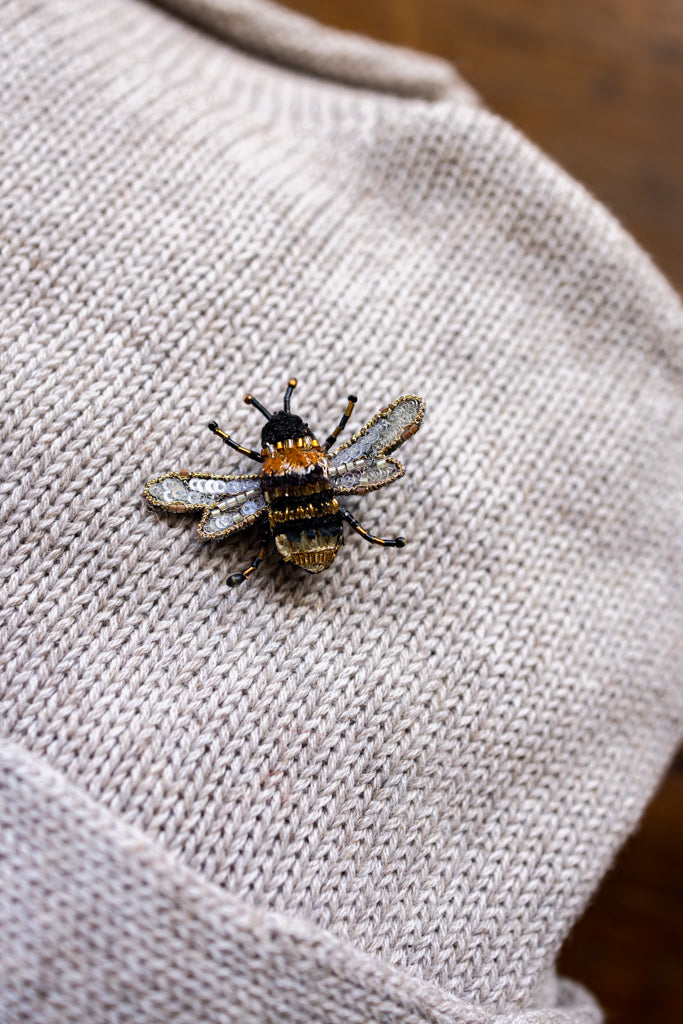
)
(295, 494)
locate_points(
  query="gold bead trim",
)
(303, 512)
(296, 442)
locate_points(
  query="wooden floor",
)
(628, 948)
(598, 84)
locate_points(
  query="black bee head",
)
(284, 426)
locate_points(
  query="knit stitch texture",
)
(384, 793)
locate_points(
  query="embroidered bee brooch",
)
(295, 494)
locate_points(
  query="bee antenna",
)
(291, 384)
(250, 400)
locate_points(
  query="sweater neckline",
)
(295, 41)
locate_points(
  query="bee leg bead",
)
(236, 578)
(395, 542)
(215, 429)
(342, 423)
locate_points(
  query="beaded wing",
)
(362, 464)
(228, 503)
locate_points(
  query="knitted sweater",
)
(385, 792)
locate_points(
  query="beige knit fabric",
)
(380, 794)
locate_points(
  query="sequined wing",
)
(361, 463)
(362, 475)
(229, 503)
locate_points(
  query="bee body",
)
(303, 513)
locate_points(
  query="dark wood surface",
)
(598, 84)
(628, 947)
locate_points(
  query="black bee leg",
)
(397, 542)
(240, 577)
(342, 423)
(256, 456)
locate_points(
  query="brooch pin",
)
(295, 494)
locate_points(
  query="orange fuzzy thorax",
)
(294, 460)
